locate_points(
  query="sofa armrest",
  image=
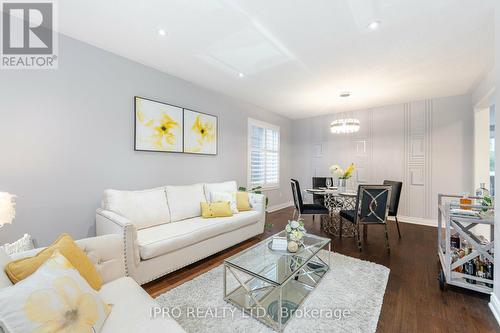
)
(108, 222)
(105, 252)
(257, 201)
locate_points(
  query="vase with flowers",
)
(342, 175)
(295, 231)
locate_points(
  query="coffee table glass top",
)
(271, 265)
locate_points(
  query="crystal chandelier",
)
(344, 126)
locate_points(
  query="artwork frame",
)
(195, 141)
(144, 121)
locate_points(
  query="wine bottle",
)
(470, 269)
(488, 274)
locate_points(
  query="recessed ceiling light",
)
(241, 75)
(162, 32)
(374, 25)
(345, 94)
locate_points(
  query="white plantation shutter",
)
(263, 154)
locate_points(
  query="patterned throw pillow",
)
(226, 196)
(53, 299)
(23, 244)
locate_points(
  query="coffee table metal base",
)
(272, 303)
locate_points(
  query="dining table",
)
(336, 200)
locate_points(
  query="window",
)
(263, 154)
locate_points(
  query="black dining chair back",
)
(297, 196)
(395, 196)
(318, 182)
(301, 207)
(372, 207)
(373, 203)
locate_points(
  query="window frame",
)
(265, 125)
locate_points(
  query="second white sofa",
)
(163, 231)
(132, 306)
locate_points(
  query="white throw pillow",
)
(229, 186)
(184, 201)
(144, 209)
(21, 245)
(4, 260)
(53, 299)
(226, 196)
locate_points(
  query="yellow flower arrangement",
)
(341, 174)
(349, 171)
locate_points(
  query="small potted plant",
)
(342, 175)
(295, 231)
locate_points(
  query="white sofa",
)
(132, 306)
(163, 231)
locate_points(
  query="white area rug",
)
(353, 290)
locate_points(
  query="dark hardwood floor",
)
(413, 301)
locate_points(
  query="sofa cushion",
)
(144, 208)
(166, 238)
(131, 311)
(229, 186)
(184, 201)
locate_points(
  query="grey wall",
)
(426, 144)
(67, 134)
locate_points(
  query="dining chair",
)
(372, 208)
(301, 207)
(318, 182)
(395, 196)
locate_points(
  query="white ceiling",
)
(297, 56)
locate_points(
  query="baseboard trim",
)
(416, 220)
(494, 305)
(274, 208)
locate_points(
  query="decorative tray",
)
(285, 252)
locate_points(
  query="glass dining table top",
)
(334, 192)
(273, 266)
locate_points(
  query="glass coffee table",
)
(261, 281)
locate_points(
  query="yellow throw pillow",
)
(55, 298)
(22, 268)
(216, 209)
(242, 201)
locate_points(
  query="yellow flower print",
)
(66, 309)
(162, 129)
(204, 131)
(163, 132)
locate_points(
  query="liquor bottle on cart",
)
(465, 201)
(470, 269)
(482, 191)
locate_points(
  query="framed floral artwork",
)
(158, 126)
(200, 133)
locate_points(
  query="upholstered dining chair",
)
(372, 207)
(305, 209)
(318, 182)
(394, 204)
